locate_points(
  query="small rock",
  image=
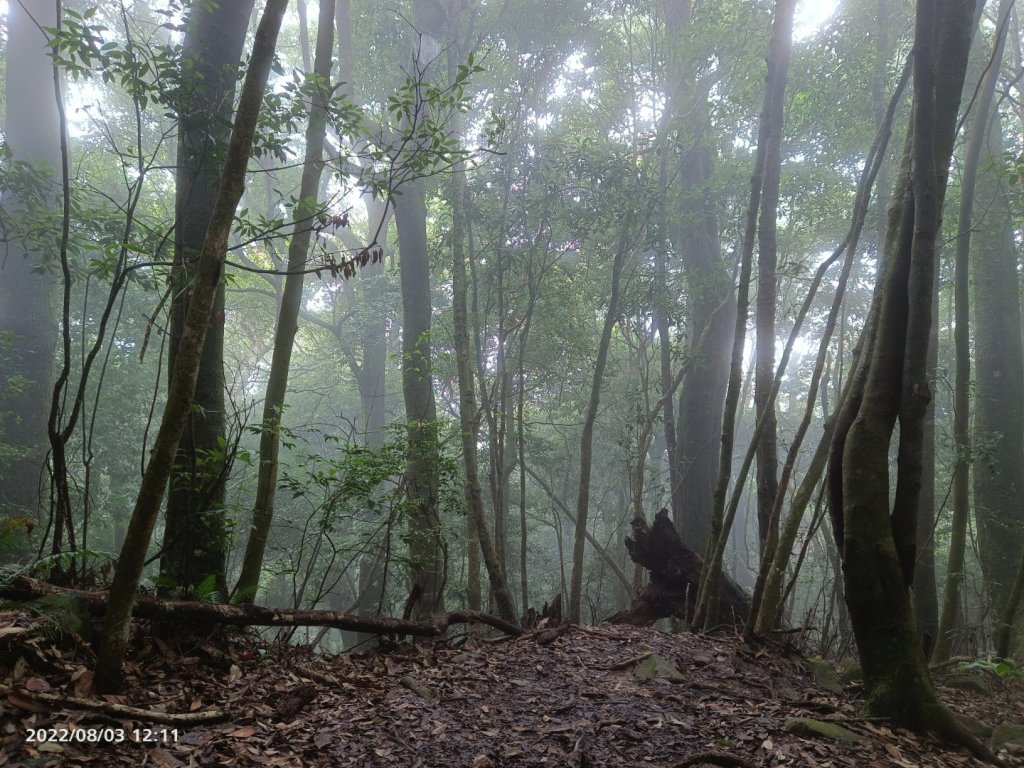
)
(655, 666)
(1007, 735)
(825, 675)
(418, 688)
(971, 683)
(976, 727)
(851, 672)
(808, 727)
(786, 693)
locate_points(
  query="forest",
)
(348, 347)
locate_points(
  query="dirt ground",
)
(592, 696)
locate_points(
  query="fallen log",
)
(674, 577)
(184, 612)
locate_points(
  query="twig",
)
(111, 708)
(715, 758)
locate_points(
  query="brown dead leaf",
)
(322, 739)
(164, 759)
(243, 733)
(84, 683)
(23, 702)
(37, 685)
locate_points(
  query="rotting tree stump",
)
(674, 571)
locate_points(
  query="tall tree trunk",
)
(766, 599)
(925, 589)
(948, 619)
(427, 552)
(194, 545)
(694, 232)
(288, 315)
(767, 293)
(769, 136)
(999, 416)
(426, 547)
(208, 278)
(28, 337)
(877, 541)
(468, 413)
(587, 436)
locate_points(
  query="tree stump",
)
(674, 577)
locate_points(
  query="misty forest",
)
(508, 382)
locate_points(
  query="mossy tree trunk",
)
(878, 540)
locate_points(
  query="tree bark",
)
(695, 426)
(877, 541)
(769, 138)
(469, 419)
(587, 435)
(209, 270)
(288, 314)
(194, 545)
(28, 338)
(186, 613)
(949, 618)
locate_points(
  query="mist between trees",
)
(405, 310)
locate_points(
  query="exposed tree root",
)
(946, 727)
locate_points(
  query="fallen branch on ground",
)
(182, 611)
(51, 700)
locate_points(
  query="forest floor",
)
(592, 696)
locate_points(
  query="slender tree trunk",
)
(468, 413)
(603, 553)
(925, 593)
(194, 545)
(474, 589)
(209, 272)
(288, 316)
(587, 436)
(948, 619)
(27, 310)
(766, 600)
(768, 150)
(427, 551)
(425, 543)
(999, 416)
(524, 335)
